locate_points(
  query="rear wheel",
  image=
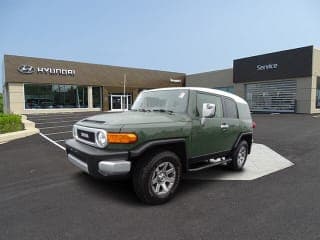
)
(156, 178)
(239, 156)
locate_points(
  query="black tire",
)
(241, 149)
(144, 172)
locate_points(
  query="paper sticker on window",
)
(182, 95)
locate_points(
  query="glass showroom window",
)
(96, 97)
(318, 93)
(44, 96)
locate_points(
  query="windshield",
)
(162, 100)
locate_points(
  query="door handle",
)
(224, 126)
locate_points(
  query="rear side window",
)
(229, 108)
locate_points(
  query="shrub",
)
(10, 123)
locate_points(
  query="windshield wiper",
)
(162, 110)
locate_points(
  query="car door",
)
(206, 135)
(230, 124)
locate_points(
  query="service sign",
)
(279, 65)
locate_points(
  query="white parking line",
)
(47, 134)
(58, 117)
(50, 140)
(62, 140)
(55, 122)
(50, 116)
(56, 126)
(42, 119)
(59, 114)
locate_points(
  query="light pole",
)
(124, 92)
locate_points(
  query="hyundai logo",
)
(26, 69)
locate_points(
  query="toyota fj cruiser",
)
(168, 132)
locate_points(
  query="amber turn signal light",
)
(122, 138)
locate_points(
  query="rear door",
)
(206, 137)
(230, 123)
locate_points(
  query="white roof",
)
(208, 90)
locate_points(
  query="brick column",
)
(134, 94)
(105, 99)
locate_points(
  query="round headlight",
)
(101, 139)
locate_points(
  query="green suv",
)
(168, 132)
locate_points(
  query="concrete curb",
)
(29, 129)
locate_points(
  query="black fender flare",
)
(139, 150)
(241, 135)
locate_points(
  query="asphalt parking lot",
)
(58, 127)
(43, 197)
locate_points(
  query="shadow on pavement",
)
(121, 190)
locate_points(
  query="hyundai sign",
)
(28, 69)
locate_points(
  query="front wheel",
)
(239, 156)
(156, 178)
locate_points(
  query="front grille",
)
(86, 135)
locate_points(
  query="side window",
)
(230, 108)
(206, 98)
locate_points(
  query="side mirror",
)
(208, 111)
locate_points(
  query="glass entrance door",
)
(116, 103)
(120, 102)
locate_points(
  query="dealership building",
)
(36, 85)
(286, 81)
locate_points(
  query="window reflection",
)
(96, 97)
(46, 96)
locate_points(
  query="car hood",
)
(132, 117)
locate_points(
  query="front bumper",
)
(97, 162)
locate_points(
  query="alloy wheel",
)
(163, 178)
(242, 154)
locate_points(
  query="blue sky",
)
(184, 36)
